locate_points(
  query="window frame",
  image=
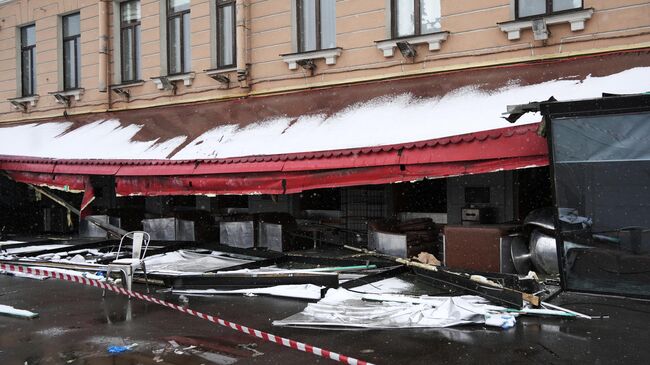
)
(32, 67)
(171, 15)
(77, 47)
(219, 4)
(417, 15)
(319, 27)
(135, 27)
(549, 10)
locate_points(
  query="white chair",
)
(127, 266)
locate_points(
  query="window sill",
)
(329, 55)
(577, 20)
(217, 71)
(187, 79)
(76, 93)
(433, 39)
(127, 85)
(24, 100)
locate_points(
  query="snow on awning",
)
(399, 130)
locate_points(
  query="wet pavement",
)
(76, 326)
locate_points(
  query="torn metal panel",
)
(304, 291)
(239, 280)
(372, 278)
(501, 296)
(342, 308)
(186, 262)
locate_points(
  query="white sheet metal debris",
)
(8, 310)
(189, 262)
(304, 291)
(343, 308)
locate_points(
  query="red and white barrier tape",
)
(249, 331)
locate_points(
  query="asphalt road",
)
(76, 326)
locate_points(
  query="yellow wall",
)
(475, 39)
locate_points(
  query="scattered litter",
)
(173, 343)
(504, 321)
(120, 349)
(184, 300)
(157, 359)
(8, 310)
(78, 259)
(252, 347)
(427, 258)
(541, 312)
(301, 291)
(532, 275)
(483, 280)
(577, 314)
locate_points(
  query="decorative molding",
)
(329, 55)
(577, 20)
(187, 79)
(434, 40)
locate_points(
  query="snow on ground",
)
(390, 119)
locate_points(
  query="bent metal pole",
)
(220, 321)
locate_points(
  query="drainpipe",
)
(242, 17)
(103, 47)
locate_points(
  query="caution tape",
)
(220, 321)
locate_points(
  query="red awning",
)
(501, 149)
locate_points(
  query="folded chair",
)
(127, 266)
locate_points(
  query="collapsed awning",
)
(509, 148)
(371, 133)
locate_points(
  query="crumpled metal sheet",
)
(187, 262)
(343, 308)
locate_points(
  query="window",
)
(178, 36)
(414, 17)
(130, 40)
(71, 52)
(316, 24)
(27, 65)
(531, 8)
(226, 43)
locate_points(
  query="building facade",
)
(87, 56)
(351, 109)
